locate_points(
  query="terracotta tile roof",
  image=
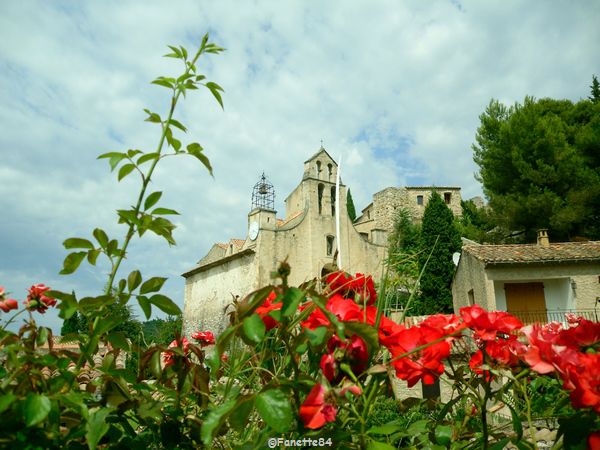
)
(239, 243)
(533, 253)
(281, 222)
(222, 245)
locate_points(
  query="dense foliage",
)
(539, 164)
(439, 241)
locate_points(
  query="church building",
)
(306, 238)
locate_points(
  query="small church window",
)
(330, 241)
(318, 169)
(419, 199)
(447, 197)
(333, 200)
(329, 171)
(320, 189)
(471, 295)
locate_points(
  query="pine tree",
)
(440, 238)
(595, 87)
(70, 325)
(350, 206)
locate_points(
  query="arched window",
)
(320, 189)
(329, 171)
(330, 242)
(318, 169)
(333, 200)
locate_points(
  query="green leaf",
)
(78, 243)
(96, 426)
(317, 336)
(114, 158)
(291, 299)
(6, 400)
(118, 340)
(387, 428)
(152, 285)
(89, 304)
(275, 408)
(107, 324)
(128, 216)
(164, 212)
(131, 153)
(253, 328)
(35, 409)
(178, 124)
(145, 305)
(163, 82)
(195, 150)
(125, 170)
(376, 445)
(175, 50)
(152, 199)
(42, 336)
(516, 421)
(101, 237)
(239, 416)
(165, 304)
(92, 256)
(152, 117)
(72, 262)
(215, 420)
(443, 434)
(147, 157)
(134, 280)
(214, 89)
(67, 305)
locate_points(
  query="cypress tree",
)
(595, 90)
(350, 206)
(70, 325)
(440, 237)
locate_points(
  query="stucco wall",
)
(470, 274)
(208, 292)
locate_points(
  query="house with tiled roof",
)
(305, 237)
(536, 282)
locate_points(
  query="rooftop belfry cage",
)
(263, 194)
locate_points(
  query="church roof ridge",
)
(321, 150)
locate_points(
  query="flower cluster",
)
(204, 338)
(7, 304)
(37, 301)
(418, 353)
(169, 357)
(572, 353)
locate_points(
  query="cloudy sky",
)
(395, 87)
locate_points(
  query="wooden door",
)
(526, 301)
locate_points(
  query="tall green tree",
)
(540, 165)
(595, 90)
(439, 241)
(350, 206)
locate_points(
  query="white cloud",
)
(396, 87)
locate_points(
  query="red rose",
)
(265, 308)
(8, 304)
(593, 441)
(487, 325)
(314, 411)
(37, 301)
(329, 366)
(169, 356)
(204, 338)
(425, 364)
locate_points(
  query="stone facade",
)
(378, 218)
(305, 238)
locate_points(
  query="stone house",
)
(536, 282)
(377, 219)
